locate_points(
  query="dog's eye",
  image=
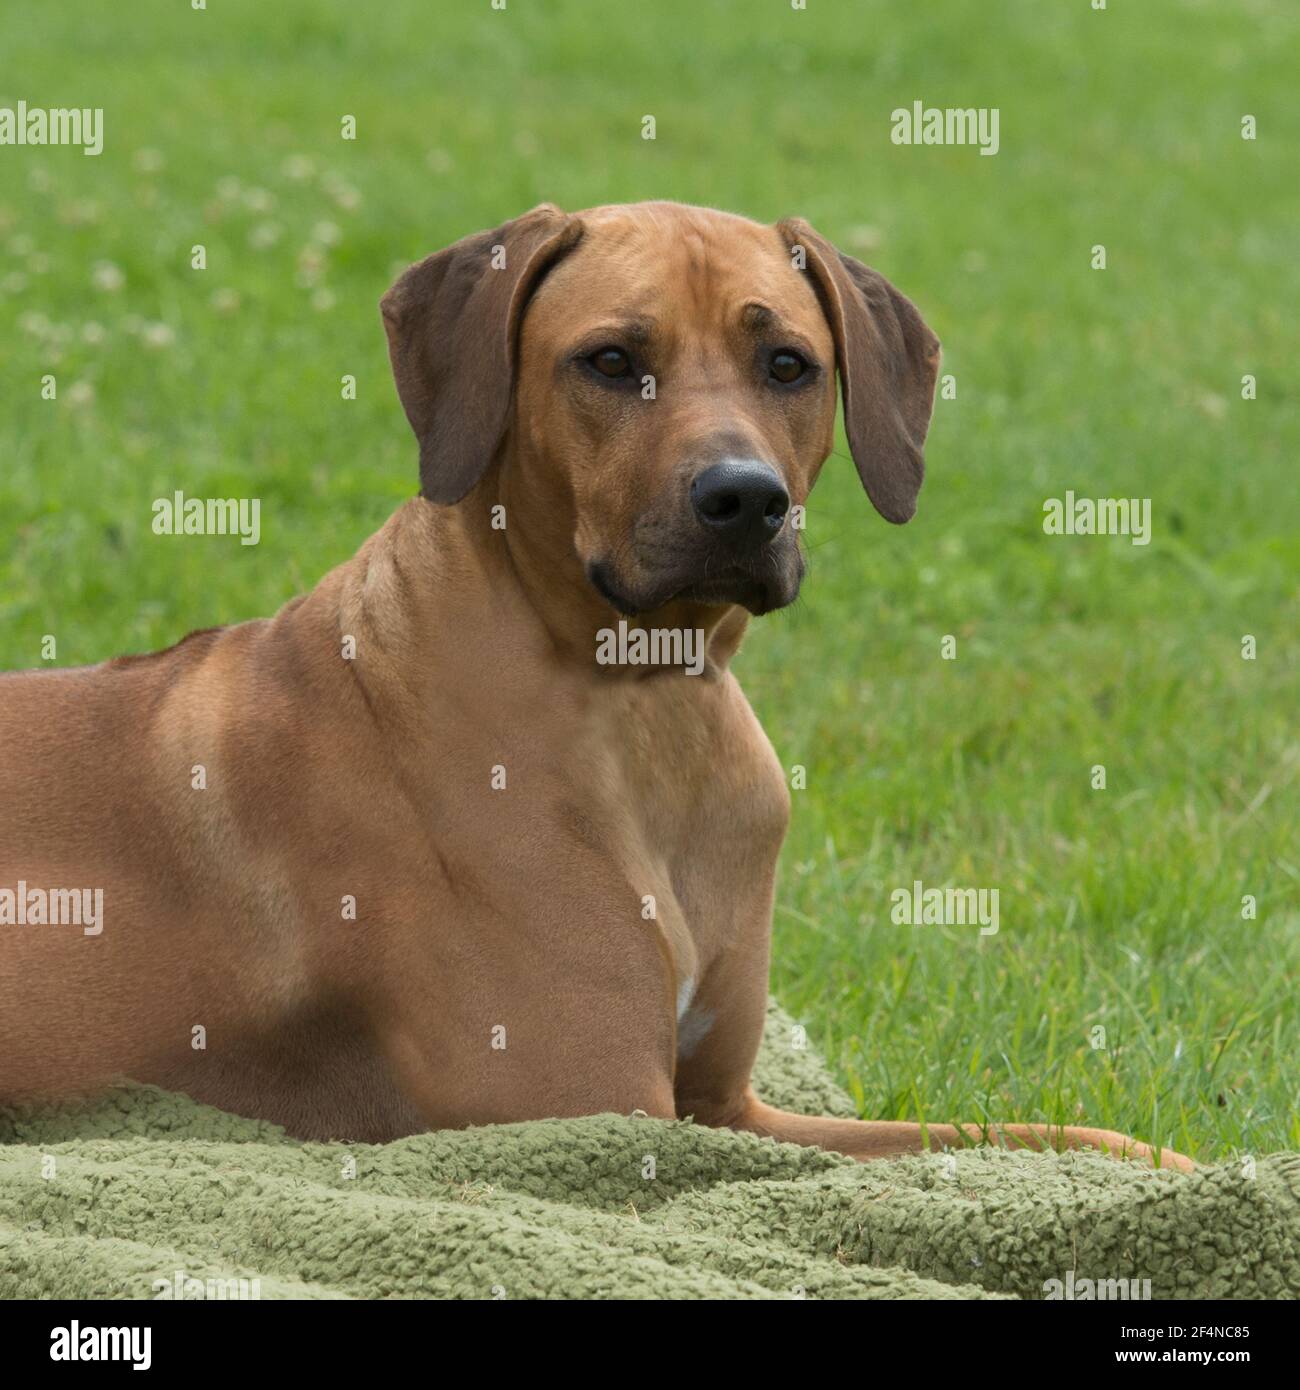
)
(610, 362)
(787, 367)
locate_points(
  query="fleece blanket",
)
(146, 1194)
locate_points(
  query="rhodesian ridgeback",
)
(430, 847)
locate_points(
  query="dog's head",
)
(665, 377)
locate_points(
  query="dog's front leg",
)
(713, 1085)
(868, 1139)
(530, 1034)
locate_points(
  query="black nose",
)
(741, 502)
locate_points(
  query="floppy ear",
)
(888, 361)
(452, 324)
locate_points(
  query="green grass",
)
(1119, 908)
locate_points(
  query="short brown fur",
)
(519, 909)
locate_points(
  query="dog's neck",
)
(437, 578)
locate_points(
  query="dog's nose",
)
(742, 501)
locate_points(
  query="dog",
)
(407, 855)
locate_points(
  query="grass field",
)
(1120, 908)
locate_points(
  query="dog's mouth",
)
(764, 591)
(734, 585)
(601, 578)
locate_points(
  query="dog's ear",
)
(888, 361)
(452, 324)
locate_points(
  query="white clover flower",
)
(107, 276)
(311, 265)
(80, 212)
(342, 192)
(263, 235)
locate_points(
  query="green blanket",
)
(147, 1194)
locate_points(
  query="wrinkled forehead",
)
(678, 271)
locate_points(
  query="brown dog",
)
(409, 854)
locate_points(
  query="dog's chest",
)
(707, 808)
